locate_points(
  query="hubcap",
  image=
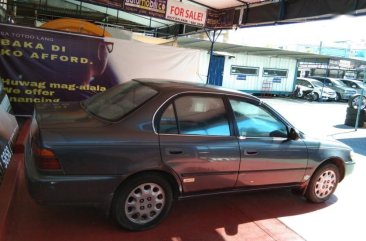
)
(145, 203)
(325, 184)
(356, 100)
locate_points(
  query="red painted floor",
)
(245, 216)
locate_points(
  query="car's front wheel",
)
(338, 97)
(142, 202)
(323, 183)
(354, 101)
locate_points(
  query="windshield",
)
(116, 102)
(317, 83)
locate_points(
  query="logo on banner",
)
(188, 14)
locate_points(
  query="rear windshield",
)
(116, 102)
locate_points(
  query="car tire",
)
(315, 97)
(352, 113)
(352, 122)
(142, 202)
(338, 97)
(353, 102)
(322, 184)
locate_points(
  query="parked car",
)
(8, 130)
(354, 102)
(140, 145)
(343, 92)
(320, 92)
(356, 85)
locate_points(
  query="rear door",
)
(196, 141)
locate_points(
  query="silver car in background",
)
(343, 92)
(356, 85)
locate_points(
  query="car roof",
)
(185, 86)
(353, 80)
(309, 79)
(323, 77)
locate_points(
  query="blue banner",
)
(39, 65)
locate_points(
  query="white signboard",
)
(188, 14)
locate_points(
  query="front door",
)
(268, 156)
(196, 141)
(216, 71)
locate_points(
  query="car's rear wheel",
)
(323, 183)
(142, 202)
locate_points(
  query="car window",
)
(116, 102)
(255, 121)
(348, 83)
(299, 82)
(168, 122)
(196, 115)
(339, 83)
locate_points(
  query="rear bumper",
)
(61, 189)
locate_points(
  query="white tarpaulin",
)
(130, 59)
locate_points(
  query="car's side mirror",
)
(293, 135)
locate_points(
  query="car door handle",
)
(250, 152)
(175, 151)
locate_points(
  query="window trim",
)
(244, 67)
(160, 111)
(267, 108)
(271, 75)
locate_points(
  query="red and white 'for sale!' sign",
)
(184, 13)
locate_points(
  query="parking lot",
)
(340, 219)
(270, 215)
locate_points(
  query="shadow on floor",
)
(244, 216)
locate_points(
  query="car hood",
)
(64, 115)
(324, 143)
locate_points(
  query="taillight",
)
(45, 159)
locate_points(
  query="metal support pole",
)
(212, 39)
(360, 101)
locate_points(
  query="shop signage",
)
(152, 8)
(184, 13)
(220, 19)
(45, 66)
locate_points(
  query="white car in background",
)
(320, 92)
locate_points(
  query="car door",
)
(268, 155)
(196, 141)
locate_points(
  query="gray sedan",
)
(140, 145)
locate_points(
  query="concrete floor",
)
(270, 215)
(342, 218)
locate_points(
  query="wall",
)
(253, 84)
